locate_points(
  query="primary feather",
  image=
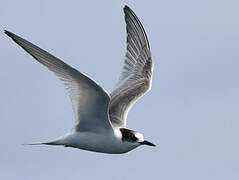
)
(90, 101)
(136, 77)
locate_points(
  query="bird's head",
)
(134, 137)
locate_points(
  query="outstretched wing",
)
(90, 101)
(136, 77)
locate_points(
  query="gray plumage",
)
(136, 77)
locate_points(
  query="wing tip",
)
(129, 13)
(127, 9)
(8, 33)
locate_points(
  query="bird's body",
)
(98, 142)
(101, 117)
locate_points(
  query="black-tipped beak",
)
(147, 143)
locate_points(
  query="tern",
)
(101, 117)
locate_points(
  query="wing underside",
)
(136, 77)
(90, 101)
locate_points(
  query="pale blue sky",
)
(191, 113)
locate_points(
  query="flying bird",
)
(101, 117)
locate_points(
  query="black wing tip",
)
(127, 9)
(8, 33)
(128, 13)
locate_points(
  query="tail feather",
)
(39, 143)
(44, 143)
(57, 141)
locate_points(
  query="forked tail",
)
(55, 142)
(40, 143)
